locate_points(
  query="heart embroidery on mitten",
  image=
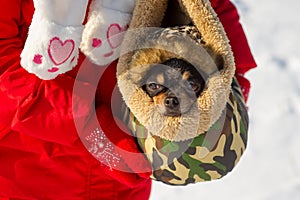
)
(60, 51)
(96, 42)
(113, 30)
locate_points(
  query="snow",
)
(270, 168)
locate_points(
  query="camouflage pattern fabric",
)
(209, 156)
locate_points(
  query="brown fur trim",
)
(147, 13)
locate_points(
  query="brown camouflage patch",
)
(181, 163)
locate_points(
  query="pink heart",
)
(113, 30)
(60, 51)
(96, 42)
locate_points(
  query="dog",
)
(174, 86)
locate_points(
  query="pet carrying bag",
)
(208, 141)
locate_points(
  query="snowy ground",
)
(270, 168)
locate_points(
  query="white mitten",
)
(54, 37)
(103, 31)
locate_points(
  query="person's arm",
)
(244, 60)
(60, 110)
(10, 43)
(10, 49)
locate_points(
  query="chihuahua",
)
(174, 86)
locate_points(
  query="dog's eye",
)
(195, 87)
(154, 86)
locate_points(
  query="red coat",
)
(41, 154)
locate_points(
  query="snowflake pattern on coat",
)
(102, 149)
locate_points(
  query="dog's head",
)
(174, 86)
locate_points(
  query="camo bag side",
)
(204, 158)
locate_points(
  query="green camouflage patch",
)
(209, 156)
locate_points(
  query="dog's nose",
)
(171, 102)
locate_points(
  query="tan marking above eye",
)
(160, 79)
(159, 99)
(186, 75)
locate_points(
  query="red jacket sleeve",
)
(40, 109)
(244, 60)
(10, 20)
(10, 48)
(57, 112)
